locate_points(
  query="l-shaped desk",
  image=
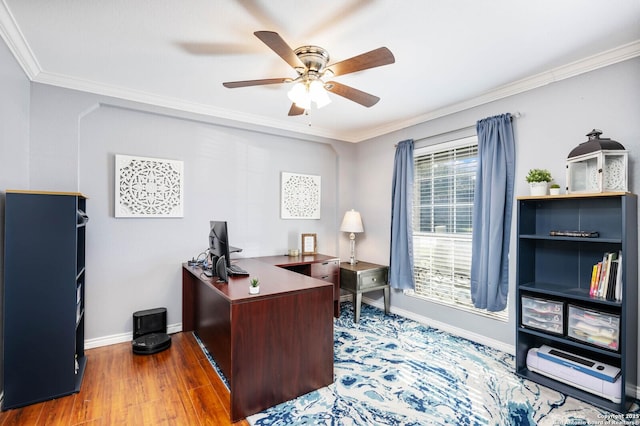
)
(273, 346)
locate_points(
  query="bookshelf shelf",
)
(574, 239)
(558, 269)
(554, 340)
(576, 293)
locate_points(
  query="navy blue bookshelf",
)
(44, 288)
(559, 269)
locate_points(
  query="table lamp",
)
(352, 223)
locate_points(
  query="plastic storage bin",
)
(542, 314)
(597, 328)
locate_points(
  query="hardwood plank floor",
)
(175, 387)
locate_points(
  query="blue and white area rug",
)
(390, 370)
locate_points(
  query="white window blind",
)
(442, 212)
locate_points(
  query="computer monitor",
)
(219, 242)
(220, 250)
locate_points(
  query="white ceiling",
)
(450, 55)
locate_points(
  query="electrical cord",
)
(200, 260)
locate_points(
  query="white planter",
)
(554, 191)
(538, 188)
(254, 290)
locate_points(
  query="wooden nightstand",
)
(364, 277)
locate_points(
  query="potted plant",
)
(254, 286)
(554, 189)
(538, 181)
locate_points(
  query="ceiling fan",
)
(310, 62)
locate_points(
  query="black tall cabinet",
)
(44, 290)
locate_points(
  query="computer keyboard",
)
(236, 270)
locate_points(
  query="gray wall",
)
(555, 118)
(14, 141)
(14, 127)
(230, 174)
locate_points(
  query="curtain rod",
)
(516, 114)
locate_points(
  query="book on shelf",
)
(582, 234)
(603, 271)
(595, 275)
(604, 284)
(606, 277)
(613, 274)
(618, 287)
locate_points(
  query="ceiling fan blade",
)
(278, 45)
(245, 83)
(355, 95)
(295, 110)
(375, 58)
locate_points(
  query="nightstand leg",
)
(386, 300)
(356, 308)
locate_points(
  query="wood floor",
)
(175, 387)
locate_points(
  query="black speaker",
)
(150, 331)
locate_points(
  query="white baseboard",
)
(123, 337)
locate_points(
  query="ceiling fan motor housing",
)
(314, 58)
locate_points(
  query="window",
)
(442, 210)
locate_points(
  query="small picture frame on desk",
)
(309, 244)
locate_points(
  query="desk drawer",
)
(326, 269)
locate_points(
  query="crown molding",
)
(591, 63)
(12, 36)
(98, 88)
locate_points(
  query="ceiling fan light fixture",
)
(319, 94)
(296, 92)
(303, 93)
(299, 95)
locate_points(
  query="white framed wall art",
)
(300, 196)
(148, 187)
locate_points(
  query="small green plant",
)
(254, 282)
(539, 175)
(554, 185)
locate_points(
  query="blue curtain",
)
(492, 211)
(401, 262)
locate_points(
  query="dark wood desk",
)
(318, 266)
(273, 346)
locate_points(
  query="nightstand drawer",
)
(367, 277)
(373, 278)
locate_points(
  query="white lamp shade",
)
(352, 222)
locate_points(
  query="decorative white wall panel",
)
(148, 187)
(300, 196)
